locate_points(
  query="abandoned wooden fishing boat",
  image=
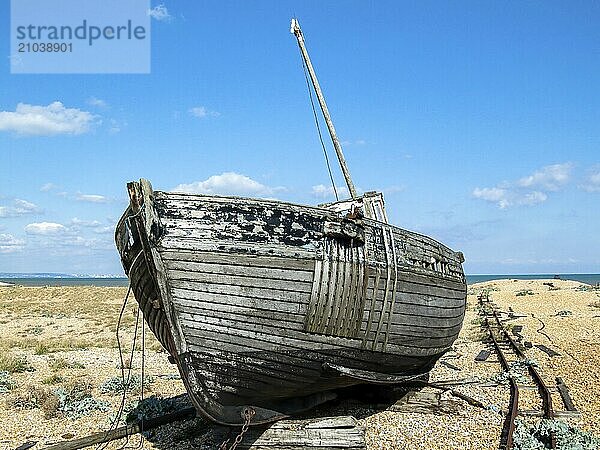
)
(267, 306)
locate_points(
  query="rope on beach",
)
(124, 380)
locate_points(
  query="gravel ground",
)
(63, 338)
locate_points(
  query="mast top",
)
(296, 31)
(295, 28)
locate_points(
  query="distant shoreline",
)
(64, 281)
(587, 278)
(38, 281)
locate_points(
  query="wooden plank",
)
(410, 287)
(483, 355)
(271, 261)
(565, 395)
(263, 338)
(296, 331)
(332, 286)
(557, 414)
(348, 324)
(306, 363)
(372, 300)
(394, 290)
(241, 271)
(257, 303)
(310, 319)
(386, 294)
(319, 315)
(548, 351)
(244, 292)
(174, 243)
(193, 202)
(122, 432)
(329, 433)
(272, 318)
(237, 280)
(293, 372)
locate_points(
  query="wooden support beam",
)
(122, 432)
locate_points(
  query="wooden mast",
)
(296, 31)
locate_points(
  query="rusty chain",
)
(248, 415)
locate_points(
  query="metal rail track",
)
(506, 441)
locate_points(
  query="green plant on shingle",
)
(15, 364)
(53, 379)
(524, 292)
(76, 401)
(36, 397)
(41, 349)
(528, 436)
(115, 385)
(6, 382)
(149, 407)
(61, 363)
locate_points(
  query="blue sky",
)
(478, 120)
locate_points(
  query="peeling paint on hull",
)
(258, 300)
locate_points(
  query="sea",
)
(66, 280)
(51, 279)
(588, 278)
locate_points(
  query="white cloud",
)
(533, 198)
(10, 244)
(592, 181)
(527, 191)
(19, 208)
(105, 230)
(228, 183)
(97, 102)
(48, 120)
(45, 228)
(323, 192)
(92, 198)
(25, 206)
(48, 187)
(358, 142)
(202, 112)
(550, 178)
(490, 194)
(160, 13)
(84, 223)
(116, 126)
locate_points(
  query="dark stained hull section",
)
(270, 305)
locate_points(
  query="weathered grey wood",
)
(243, 291)
(253, 326)
(328, 433)
(557, 414)
(271, 261)
(274, 274)
(565, 395)
(122, 432)
(239, 280)
(244, 337)
(175, 243)
(483, 355)
(188, 293)
(418, 402)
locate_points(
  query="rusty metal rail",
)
(506, 441)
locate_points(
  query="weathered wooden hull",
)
(270, 305)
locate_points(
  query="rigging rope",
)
(312, 103)
(126, 379)
(117, 418)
